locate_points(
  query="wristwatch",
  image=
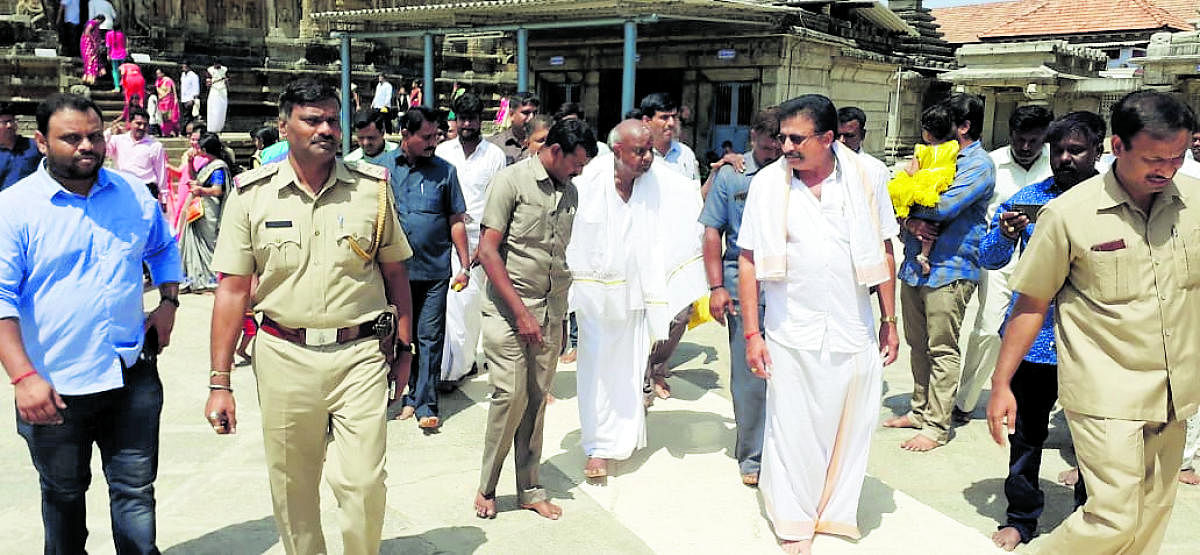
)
(169, 299)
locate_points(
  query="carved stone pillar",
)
(308, 28)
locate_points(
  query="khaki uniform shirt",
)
(514, 151)
(1128, 299)
(535, 214)
(299, 244)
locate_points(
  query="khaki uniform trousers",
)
(932, 321)
(317, 403)
(1130, 468)
(520, 374)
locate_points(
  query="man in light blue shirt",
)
(82, 358)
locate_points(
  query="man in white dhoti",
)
(635, 261)
(476, 161)
(816, 232)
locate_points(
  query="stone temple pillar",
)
(308, 28)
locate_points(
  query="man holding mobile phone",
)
(1076, 142)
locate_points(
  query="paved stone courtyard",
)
(681, 494)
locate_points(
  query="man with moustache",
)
(526, 227)
(635, 262)
(322, 239)
(1023, 162)
(1117, 255)
(83, 366)
(722, 216)
(816, 234)
(372, 147)
(138, 153)
(1076, 142)
(476, 161)
(432, 212)
(522, 107)
(19, 156)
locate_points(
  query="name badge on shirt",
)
(279, 223)
(1109, 246)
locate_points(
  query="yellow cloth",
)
(924, 187)
(700, 313)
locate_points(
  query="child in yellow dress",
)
(930, 172)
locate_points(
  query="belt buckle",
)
(320, 337)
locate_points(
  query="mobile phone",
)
(1029, 210)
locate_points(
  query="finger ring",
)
(213, 415)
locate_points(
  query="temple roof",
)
(1035, 18)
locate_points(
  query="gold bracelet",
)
(887, 320)
(216, 373)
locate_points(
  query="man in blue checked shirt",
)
(1076, 142)
(934, 304)
(73, 237)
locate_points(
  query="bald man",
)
(635, 262)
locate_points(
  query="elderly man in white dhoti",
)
(816, 233)
(635, 261)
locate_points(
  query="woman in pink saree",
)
(190, 164)
(90, 43)
(168, 103)
(134, 86)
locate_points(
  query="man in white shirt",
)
(70, 27)
(476, 161)
(1025, 161)
(635, 262)
(852, 131)
(104, 8)
(382, 101)
(189, 94)
(816, 233)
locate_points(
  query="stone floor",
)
(681, 494)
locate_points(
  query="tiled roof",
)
(1019, 18)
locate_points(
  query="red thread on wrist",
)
(752, 334)
(18, 379)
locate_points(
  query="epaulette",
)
(261, 173)
(368, 169)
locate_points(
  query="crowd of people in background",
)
(481, 238)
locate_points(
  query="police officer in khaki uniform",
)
(525, 230)
(324, 242)
(1120, 256)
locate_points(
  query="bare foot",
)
(899, 422)
(919, 444)
(1007, 538)
(406, 412)
(545, 508)
(661, 389)
(802, 547)
(1189, 477)
(549, 398)
(1069, 477)
(485, 506)
(750, 479)
(595, 468)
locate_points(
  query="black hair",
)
(570, 134)
(198, 126)
(633, 113)
(1088, 124)
(816, 107)
(7, 109)
(268, 135)
(1156, 113)
(210, 144)
(523, 99)
(569, 109)
(63, 101)
(468, 106)
(938, 120)
(367, 118)
(766, 122)
(1029, 118)
(853, 113)
(305, 90)
(136, 111)
(967, 108)
(415, 117)
(726, 143)
(657, 102)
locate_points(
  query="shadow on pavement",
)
(686, 351)
(681, 432)
(564, 383)
(899, 404)
(704, 379)
(987, 496)
(451, 539)
(877, 499)
(252, 536)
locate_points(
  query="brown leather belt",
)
(314, 337)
